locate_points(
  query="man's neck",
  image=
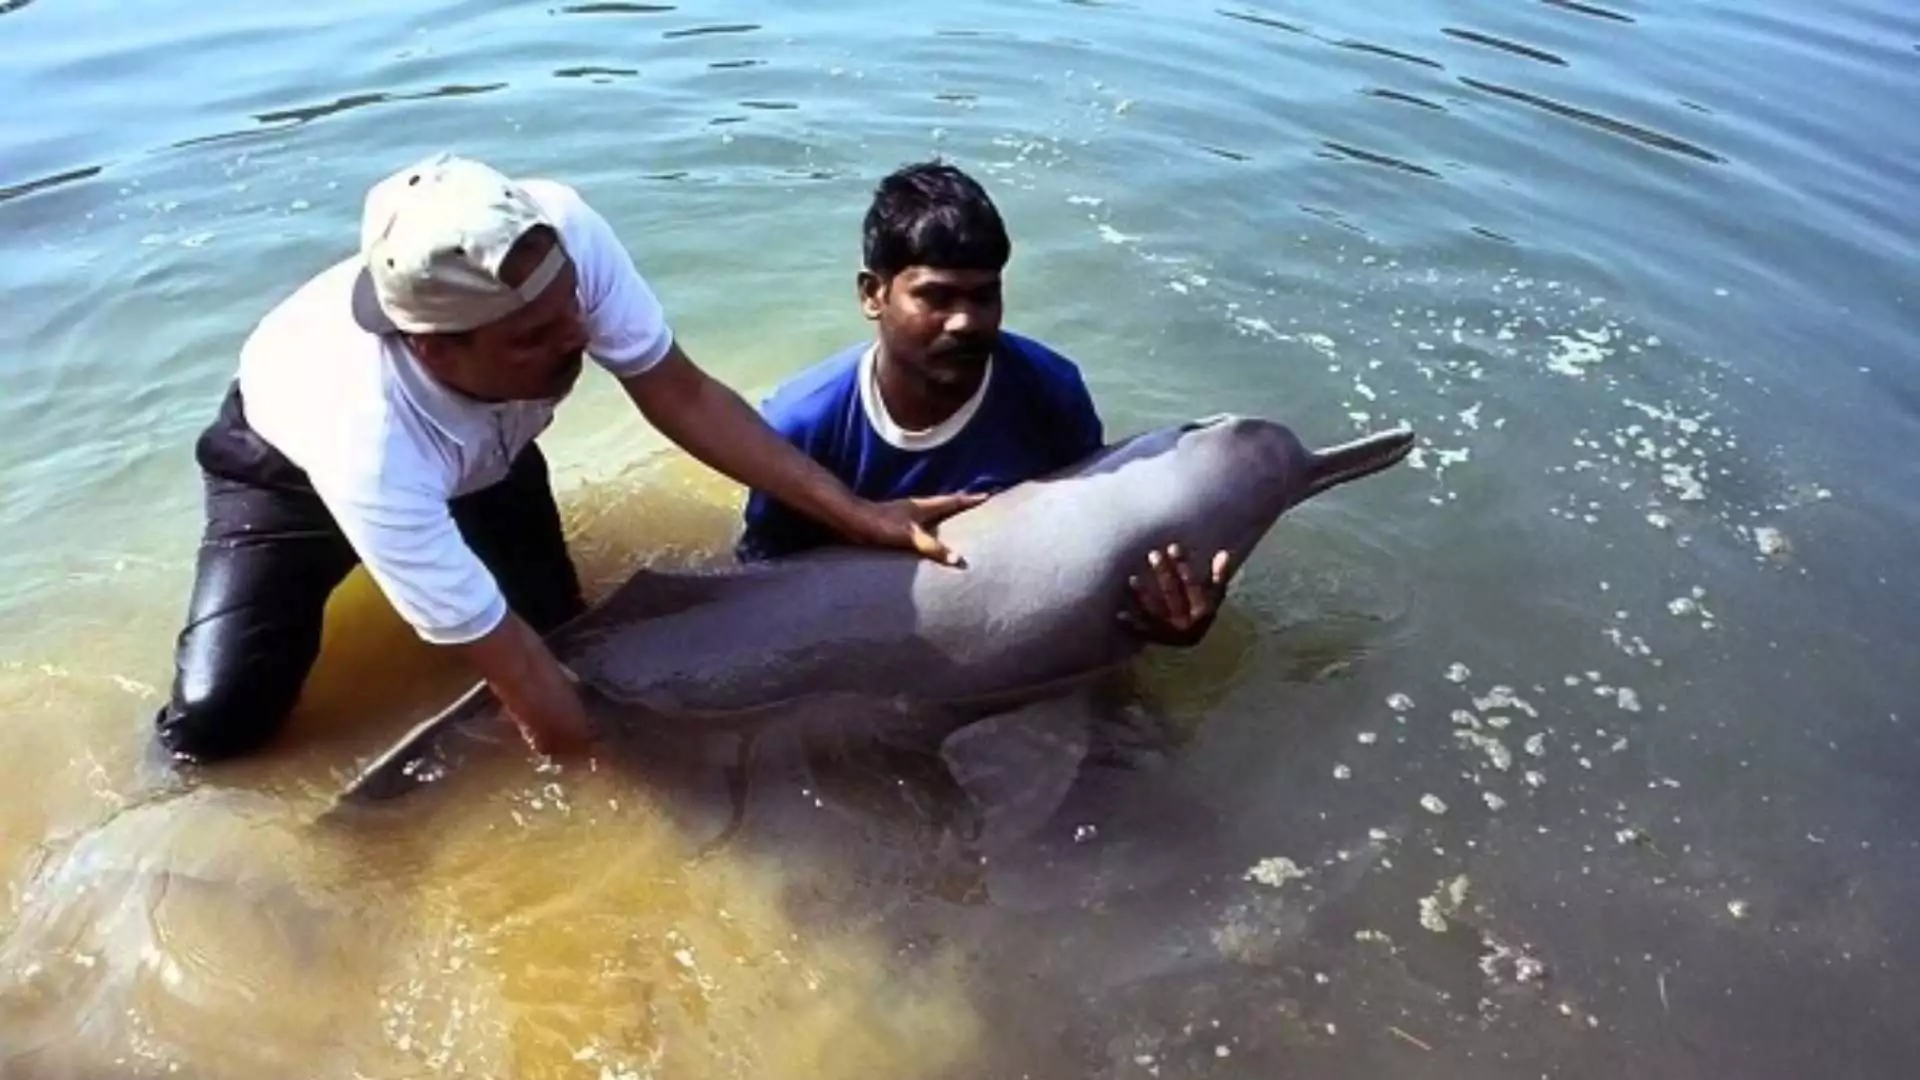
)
(914, 403)
(446, 379)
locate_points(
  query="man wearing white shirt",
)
(385, 414)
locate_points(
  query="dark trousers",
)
(271, 555)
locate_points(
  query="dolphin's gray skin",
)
(1035, 607)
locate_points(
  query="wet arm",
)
(715, 425)
(536, 690)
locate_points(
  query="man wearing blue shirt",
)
(943, 400)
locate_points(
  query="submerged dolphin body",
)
(1034, 608)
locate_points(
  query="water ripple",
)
(616, 9)
(1605, 123)
(21, 190)
(1410, 99)
(971, 34)
(305, 113)
(1264, 20)
(1373, 158)
(1331, 217)
(590, 71)
(1349, 43)
(1503, 44)
(721, 28)
(1589, 9)
(1382, 50)
(1220, 152)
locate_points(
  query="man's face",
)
(535, 353)
(940, 325)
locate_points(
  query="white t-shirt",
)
(386, 445)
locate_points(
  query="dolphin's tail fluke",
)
(1335, 465)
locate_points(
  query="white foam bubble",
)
(1497, 753)
(1503, 697)
(1572, 356)
(1256, 325)
(1275, 871)
(1447, 899)
(1320, 342)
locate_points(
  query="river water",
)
(1588, 739)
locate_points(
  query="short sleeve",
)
(406, 537)
(627, 330)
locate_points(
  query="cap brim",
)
(366, 306)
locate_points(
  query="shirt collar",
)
(883, 423)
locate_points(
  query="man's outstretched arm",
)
(713, 423)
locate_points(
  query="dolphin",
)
(1033, 609)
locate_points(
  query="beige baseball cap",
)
(432, 238)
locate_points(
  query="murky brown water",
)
(527, 926)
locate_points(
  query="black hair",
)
(932, 214)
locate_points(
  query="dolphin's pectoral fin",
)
(1017, 767)
(1335, 465)
(421, 756)
(1134, 737)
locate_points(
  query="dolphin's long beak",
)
(1336, 465)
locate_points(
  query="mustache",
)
(962, 348)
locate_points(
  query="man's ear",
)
(872, 292)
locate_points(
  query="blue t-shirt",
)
(1034, 417)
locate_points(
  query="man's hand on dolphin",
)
(904, 523)
(1175, 608)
